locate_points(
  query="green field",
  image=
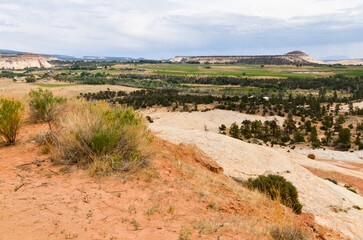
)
(240, 70)
(51, 85)
(282, 71)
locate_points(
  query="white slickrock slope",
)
(331, 204)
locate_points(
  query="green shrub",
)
(149, 119)
(311, 156)
(277, 188)
(103, 139)
(30, 79)
(44, 106)
(11, 115)
(350, 188)
(332, 180)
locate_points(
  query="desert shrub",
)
(44, 106)
(277, 188)
(287, 233)
(30, 79)
(149, 119)
(311, 156)
(350, 188)
(11, 115)
(103, 139)
(332, 180)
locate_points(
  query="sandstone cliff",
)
(24, 60)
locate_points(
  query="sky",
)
(167, 28)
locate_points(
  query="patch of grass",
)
(45, 149)
(287, 233)
(11, 115)
(153, 209)
(171, 209)
(52, 85)
(89, 214)
(206, 226)
(135, 224)
(212, 205)
(184, 234)
(102, 139)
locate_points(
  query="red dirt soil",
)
(177, 196)
(356, 183)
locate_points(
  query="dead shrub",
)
(103, 139)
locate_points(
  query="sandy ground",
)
(19, 89)
(331, 204)
(175, 195)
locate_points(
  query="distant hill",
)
(95, 58)
(335, 58)
(5, 51)
(24, 60)
(295, 57)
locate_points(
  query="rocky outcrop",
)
(295, 57)
(24, 60)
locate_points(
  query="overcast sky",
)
(166, 28)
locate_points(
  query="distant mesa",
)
(24, 60)
(294, 57)
(10, 59)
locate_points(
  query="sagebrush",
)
(103, 139)
(44, 106)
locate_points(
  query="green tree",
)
(234, 131)
(298, 136)
(328, 135)
(314, 137)
(344, 136)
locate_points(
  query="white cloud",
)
(163, 28)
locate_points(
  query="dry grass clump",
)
(287, 233)
(11, 115)
(103, 139)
